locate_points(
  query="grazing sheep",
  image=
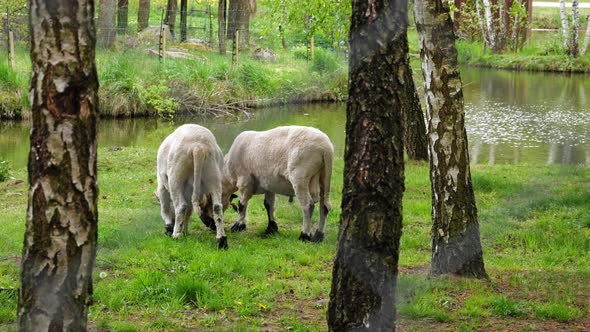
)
(190, 166)
(291, 161)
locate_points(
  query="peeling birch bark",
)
(61, 229)
(456, 246)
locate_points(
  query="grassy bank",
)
(133, 83)
(535, 227)
(540, 54)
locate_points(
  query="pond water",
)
(511, 117)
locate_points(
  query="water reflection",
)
(511, 118)
(526, 117)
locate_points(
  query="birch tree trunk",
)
(221, 21)
(575, 35)
(502, 17)
(61, 228)
(456, 247)
(586, 37)
(106, 23)
(490, 25)
(143, 15)
(564, 25)
(482, 24)
(365, 271)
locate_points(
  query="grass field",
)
(535, 228)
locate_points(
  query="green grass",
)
(534, 226)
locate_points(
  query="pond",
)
(511, 117)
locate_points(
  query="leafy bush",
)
(4, 170)
(158, 98)
(255, 79)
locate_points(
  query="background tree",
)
(456, 246)
(183, 22)
(239, 19)
(415, 139)
(106, 24)
(122, 16)
(221, 22)
(365, 269)
(61, 229)
(170, 18)
(143, 15)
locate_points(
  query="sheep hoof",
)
(207, 221)
(177, 236)
(169, 229)
(237, 227)
(222, 243)
(304, 237)
(272, 228)
(318, 237)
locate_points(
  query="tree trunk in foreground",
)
(415, 139)
(456, 246)
(61, 229)
(365, 268)
(122, 16)
(221, 19)
(106, 23)
(143, 15)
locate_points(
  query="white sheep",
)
(190, 166)
(291, 161)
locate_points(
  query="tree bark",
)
(183, 27)
(61, 228)
(239, 19)
(170, 19)
(221, 20)
(564, 25)
(575, 35)
(365, 269)
(106, 24)
(586, 38)
(456, 246)
(491, 30)
(122, 16)
(482, 23)
(415, 139)
(143, 15)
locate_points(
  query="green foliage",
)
(557, 311)
(255, 79)
(505, 307)
(158, 98)
(4, 170)
(324, 61)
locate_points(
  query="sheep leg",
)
(218, 217)
(269, 205)
(307, 206)
(240, 224)
(166, 209)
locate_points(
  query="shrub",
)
(4, 170)
(324, 61)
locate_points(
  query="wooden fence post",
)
(11, 47)
(311, 47)
(236, 48)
